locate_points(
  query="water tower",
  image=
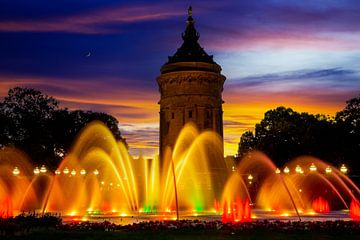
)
(191, 86)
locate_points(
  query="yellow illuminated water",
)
(99, 176)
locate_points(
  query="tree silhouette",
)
(28, 112)
(247, 143)
(284, 134)
(34, 123)
(348, 124)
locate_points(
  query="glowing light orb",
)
(343, 169)
(36, 171)
(16, 171)
(66, 171)
(73, 213)
(328, 170)
(43, 169)
(286, 170)
(312, 167)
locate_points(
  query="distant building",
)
(191, 88)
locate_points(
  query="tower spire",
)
(190, 50)
(190, 11)
(190, 33)
(190, 20)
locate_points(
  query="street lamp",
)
(82, 172)
(16, 171)
(298, 169)
(250, 178)
(328, 170)
(73, 172)
(66, 171)
(312, 167)
(343, 169)
(36, 171)
(43, 169)
(286, 170)
(277, 171)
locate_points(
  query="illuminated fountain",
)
(305, 186)
(13, 166)
(99, 176)
(195, 157)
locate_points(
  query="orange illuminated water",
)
(99, 176)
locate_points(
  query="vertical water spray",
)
(175, 190)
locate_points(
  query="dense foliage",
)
(284, 134)
(25, 224)
(34, 122)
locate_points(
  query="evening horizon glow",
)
(274, 53)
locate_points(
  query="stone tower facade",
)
(191, 88)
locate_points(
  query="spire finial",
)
(190, 11)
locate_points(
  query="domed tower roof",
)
(190, 50)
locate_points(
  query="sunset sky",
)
(105, 56)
